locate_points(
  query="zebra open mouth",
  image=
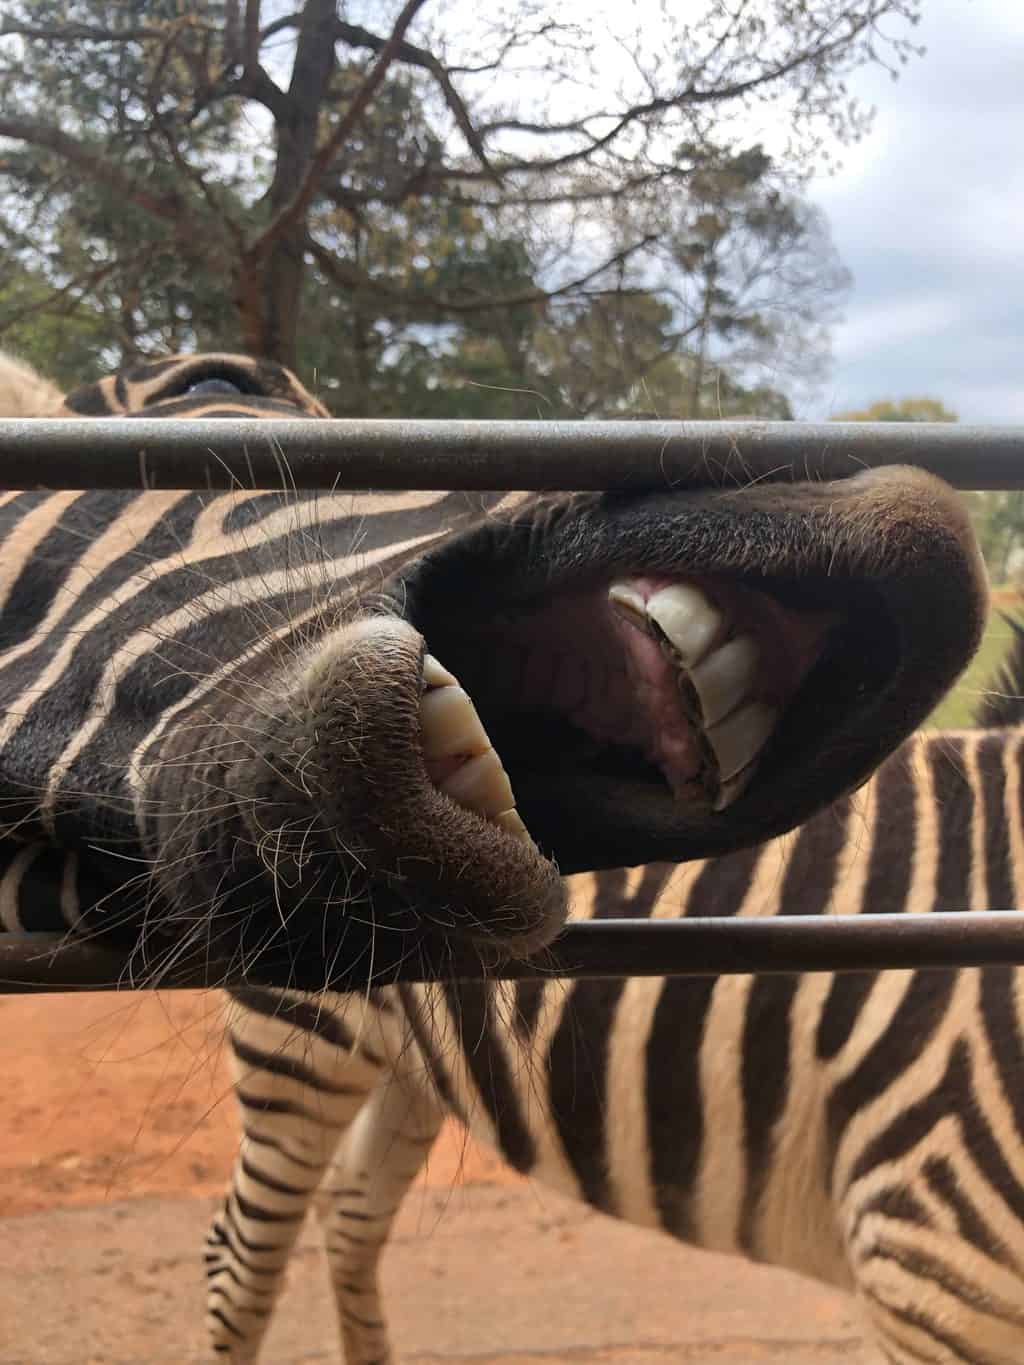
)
(689, 678)
(677, 675)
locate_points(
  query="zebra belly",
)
(647, 1120)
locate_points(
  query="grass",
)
(958, 709)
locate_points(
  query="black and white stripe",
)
(864, 1129)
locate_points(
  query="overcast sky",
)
(928, 214)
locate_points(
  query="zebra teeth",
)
(449, 724)
(716, 680)
(460, 758)
(481, 784)
(731, 791)
(725, 678)
(737, 740)
(435, 674)
(687, 620)
(629, 603)
(511, 823)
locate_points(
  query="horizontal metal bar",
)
(383, 454)
(603, 949)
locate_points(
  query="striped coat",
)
(221, 729)
(865, 1129)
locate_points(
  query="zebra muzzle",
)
(679, 674)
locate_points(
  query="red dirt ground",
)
(119, 1097)
(117, 1132)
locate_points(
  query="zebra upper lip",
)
(829, 593)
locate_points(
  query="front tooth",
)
(725, 678)
(481, 784)
(450, 725)
(739, 738)
(435, 674)
(628, 603)
(687, 618)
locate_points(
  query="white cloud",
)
(927, 214)
(877, 327)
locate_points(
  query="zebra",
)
(866, 1129)
(222, 729)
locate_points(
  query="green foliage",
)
(998, 518)
(958, 708)
(900, 410)
(70, 346)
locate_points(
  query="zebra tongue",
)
(460, 758)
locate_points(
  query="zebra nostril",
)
(213, 386)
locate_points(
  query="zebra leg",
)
(253, 1233)
(298, 1094)
(917, 1321)
(375, 1164)
(935, 1278)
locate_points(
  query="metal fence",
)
(231, 453)
(404, 454)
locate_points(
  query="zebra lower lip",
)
(460, 759)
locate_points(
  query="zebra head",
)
(666, 675)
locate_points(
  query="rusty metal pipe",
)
(605, 949)
(413, 454)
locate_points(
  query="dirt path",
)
(119, 1097)
(117, 1133)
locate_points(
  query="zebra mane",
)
(1002, 702)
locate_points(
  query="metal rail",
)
(401, 454)
(604, 949)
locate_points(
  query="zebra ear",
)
(24, 392)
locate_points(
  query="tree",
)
(758, 278)
(288, 151)
(998, 518)
(59, 337)
(900, 410)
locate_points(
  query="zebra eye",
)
(213, 386)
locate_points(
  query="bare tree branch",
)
(293, 212)
(357, 36)
(252, 34)
(425, 303)
(169, 207)
(59, 301)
